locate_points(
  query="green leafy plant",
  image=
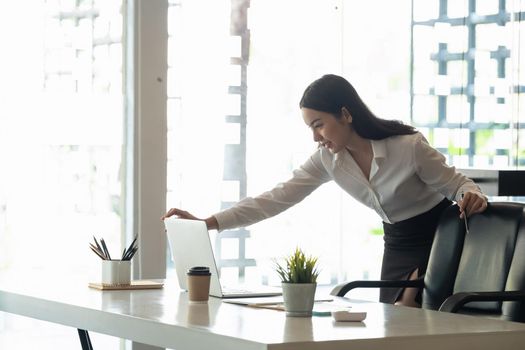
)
(298, 268)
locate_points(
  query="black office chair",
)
(481, 273)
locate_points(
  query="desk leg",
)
(84, 339)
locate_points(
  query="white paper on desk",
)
(321, 307)
(266, 301)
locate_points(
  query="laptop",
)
(190, 246)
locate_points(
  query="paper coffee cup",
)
(198, 284)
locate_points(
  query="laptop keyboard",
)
(251, 291)
(228, 290)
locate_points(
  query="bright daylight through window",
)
(61, 117)
(236, 71)
(61, 126)
(453, 69)
(274, 61)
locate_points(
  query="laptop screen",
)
(190, 246)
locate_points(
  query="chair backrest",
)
(490, 258)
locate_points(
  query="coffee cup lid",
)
(199, 271)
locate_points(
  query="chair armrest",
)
(341, 289)
(456, 301)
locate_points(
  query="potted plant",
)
(299, 281)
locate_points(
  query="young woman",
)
(384, 164)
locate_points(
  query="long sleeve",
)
(433, 170)
(250, 210)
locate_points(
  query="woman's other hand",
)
(473, 202)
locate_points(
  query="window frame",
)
(145, 134)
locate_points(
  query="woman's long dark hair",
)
(331, 93)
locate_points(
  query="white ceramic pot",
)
(298, 298)
(116, 272)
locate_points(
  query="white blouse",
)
(407, 177)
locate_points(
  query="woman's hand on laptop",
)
(180, 214)
(211, 222)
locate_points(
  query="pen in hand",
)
(465, 218)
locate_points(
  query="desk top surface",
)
(164, 317)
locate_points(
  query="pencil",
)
(95, 248)
(105, 248)
(98, 246)
(96, 252)
(130, 253)
(131, 250)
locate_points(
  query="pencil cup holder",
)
(116, 272)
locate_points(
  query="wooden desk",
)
(164, 318)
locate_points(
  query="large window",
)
(61, 144)
(61, 127)
(236, 71)
(328, 37)
(453, 69)
(236, 129)
(468, 80)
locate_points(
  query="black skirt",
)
(407, 248)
